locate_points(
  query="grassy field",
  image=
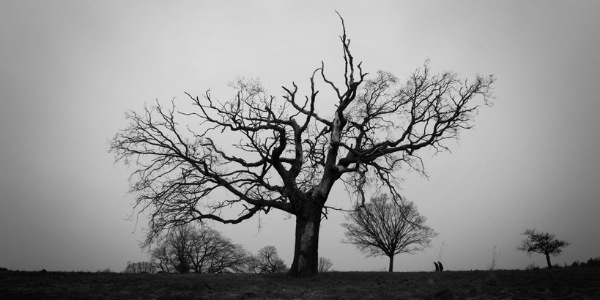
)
(563, 283)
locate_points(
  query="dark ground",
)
(563, 283)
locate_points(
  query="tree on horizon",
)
(267, 261)
(542, 243)
(387, 227)
(201, 250)
(256, 152)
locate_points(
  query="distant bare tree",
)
(542, 243)
(287, 152)
(179, 241)
(253, 264)
(387, 227)
(324, 264)
(139, 267)
(160, 257)
(211, 252)
(267, 261)
(202, 250)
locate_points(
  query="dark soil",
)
(564, 283)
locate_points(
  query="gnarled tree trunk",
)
(306, 249)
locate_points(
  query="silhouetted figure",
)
(437, 268)
(441, 266)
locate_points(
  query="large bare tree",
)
(542, 243)
(256, 152)
(388, 227)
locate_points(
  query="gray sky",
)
(70, 69)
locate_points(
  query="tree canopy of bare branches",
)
(267, 261)
(282, 153)
(542, 243)
(202, 250)
(387, 227)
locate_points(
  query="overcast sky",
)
(69, 70)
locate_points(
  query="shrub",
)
(324, 264)
(139, 267)
(107, 270)
(593, 262)
(531, 267)
(575, 264)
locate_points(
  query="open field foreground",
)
(564, 283)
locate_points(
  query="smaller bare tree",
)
(201, 250)
(324, 264)
(387, 227)
(211, 252)
(160, 258)
(542, 243)
(139, 267)
(494, 259)
(175, 249)
(267, 261)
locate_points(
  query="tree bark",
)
(548, 260)
(391, 268)
(306, 255)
